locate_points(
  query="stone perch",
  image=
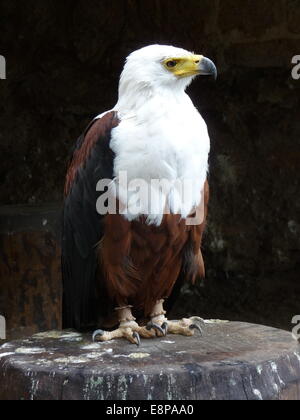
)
(232, 361)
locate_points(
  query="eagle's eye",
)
(171, 63)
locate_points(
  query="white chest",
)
(168, 146)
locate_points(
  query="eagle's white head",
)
(160, 68)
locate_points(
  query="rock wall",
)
(30, 269)
(63, 66)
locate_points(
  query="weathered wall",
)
(63, 64)
(30, 269)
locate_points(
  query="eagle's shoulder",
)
(98, 132)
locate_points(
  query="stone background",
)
(63, 65)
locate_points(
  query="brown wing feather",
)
(95, 131)
(92, 161)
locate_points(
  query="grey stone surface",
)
(232, 361)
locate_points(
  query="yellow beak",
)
(191, 66)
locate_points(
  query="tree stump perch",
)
(232, 361)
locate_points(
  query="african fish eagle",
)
(123, 269)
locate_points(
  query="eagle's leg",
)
(186, 327)
(158, 317)
(128, 329)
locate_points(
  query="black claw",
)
(96, 333)
(165, 328)
(153, 326)
(137, 337)
(196, 327)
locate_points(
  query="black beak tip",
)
(209, 68)
(213, 71)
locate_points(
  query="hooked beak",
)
(207, 67)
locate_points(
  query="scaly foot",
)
(186, 326)
(131, 331)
